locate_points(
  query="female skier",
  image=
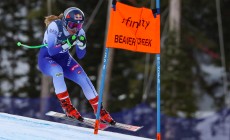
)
(56, 61)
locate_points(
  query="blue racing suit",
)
(57, 62)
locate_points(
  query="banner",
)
(134, 29)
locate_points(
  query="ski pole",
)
(31, 47)
(73, 37)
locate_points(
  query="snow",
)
(15, 127)
(215, 127)
(213, 72)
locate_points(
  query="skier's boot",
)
(104, 115)
(67, 106)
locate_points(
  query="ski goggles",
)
(73, 25)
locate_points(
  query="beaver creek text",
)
(132, 41)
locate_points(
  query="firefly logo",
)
(133, 24)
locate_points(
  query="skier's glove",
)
(81, 42)
(71, 41)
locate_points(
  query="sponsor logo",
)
(48, 58)
(59, 74)
(68, 16)
(51, 61)
(57, 46)
(74, 67)
(69, 61)
(53, 65)
(64, 51)
(135, 24)
(53, 31)
(78, 17)
(132, 41)
(59, 34)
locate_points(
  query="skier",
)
(56, 61)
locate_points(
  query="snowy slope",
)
(14, 127)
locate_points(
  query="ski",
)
(86, 121)
(121, 126)
(90, 122)
(127, 127)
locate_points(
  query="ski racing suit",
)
(57, 62)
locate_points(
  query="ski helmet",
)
(73, 18)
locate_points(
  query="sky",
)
(13, 127)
